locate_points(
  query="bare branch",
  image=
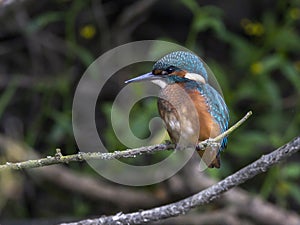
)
(190, 181)
(87, 185)
(171, 210)
(58, 158)
(207, 218)
(243, 202)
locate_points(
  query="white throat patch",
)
(195, 77)
(160, 83)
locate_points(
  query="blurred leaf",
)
(191, 5)
(7, 96)
(271, 92)
(62, 126)
(43, 20)
(205, 17)
(285, 39)
(246, 89)
(289, 71)
(266, 122)
(269, 182)
(272, 62)
(248, 143)
(111, 141)
(295, 191)
(70, 19)
(244, 52)
(291, 170)
(221, 76)
(82, 53)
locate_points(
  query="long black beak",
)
(144, 77)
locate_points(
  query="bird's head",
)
(175, 67)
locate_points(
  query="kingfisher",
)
(191, 108)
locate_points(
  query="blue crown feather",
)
(184, 61)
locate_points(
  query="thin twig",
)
(203, 144)
(181, 207)
(58, 158)
(233, 128)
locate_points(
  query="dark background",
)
(45, 46)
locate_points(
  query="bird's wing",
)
(218, 109)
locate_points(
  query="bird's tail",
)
(211, 158)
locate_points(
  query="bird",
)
(191, 108)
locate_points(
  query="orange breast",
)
(188, 120)
(189, 108)
(208, 127)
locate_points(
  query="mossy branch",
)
(58, 158)
(203, 197)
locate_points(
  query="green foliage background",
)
(253, 52)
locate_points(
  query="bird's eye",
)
(170, 69)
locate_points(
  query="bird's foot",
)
(210, 142)
(167, 142)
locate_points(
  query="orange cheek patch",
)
(180, 73)
(157, 72)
